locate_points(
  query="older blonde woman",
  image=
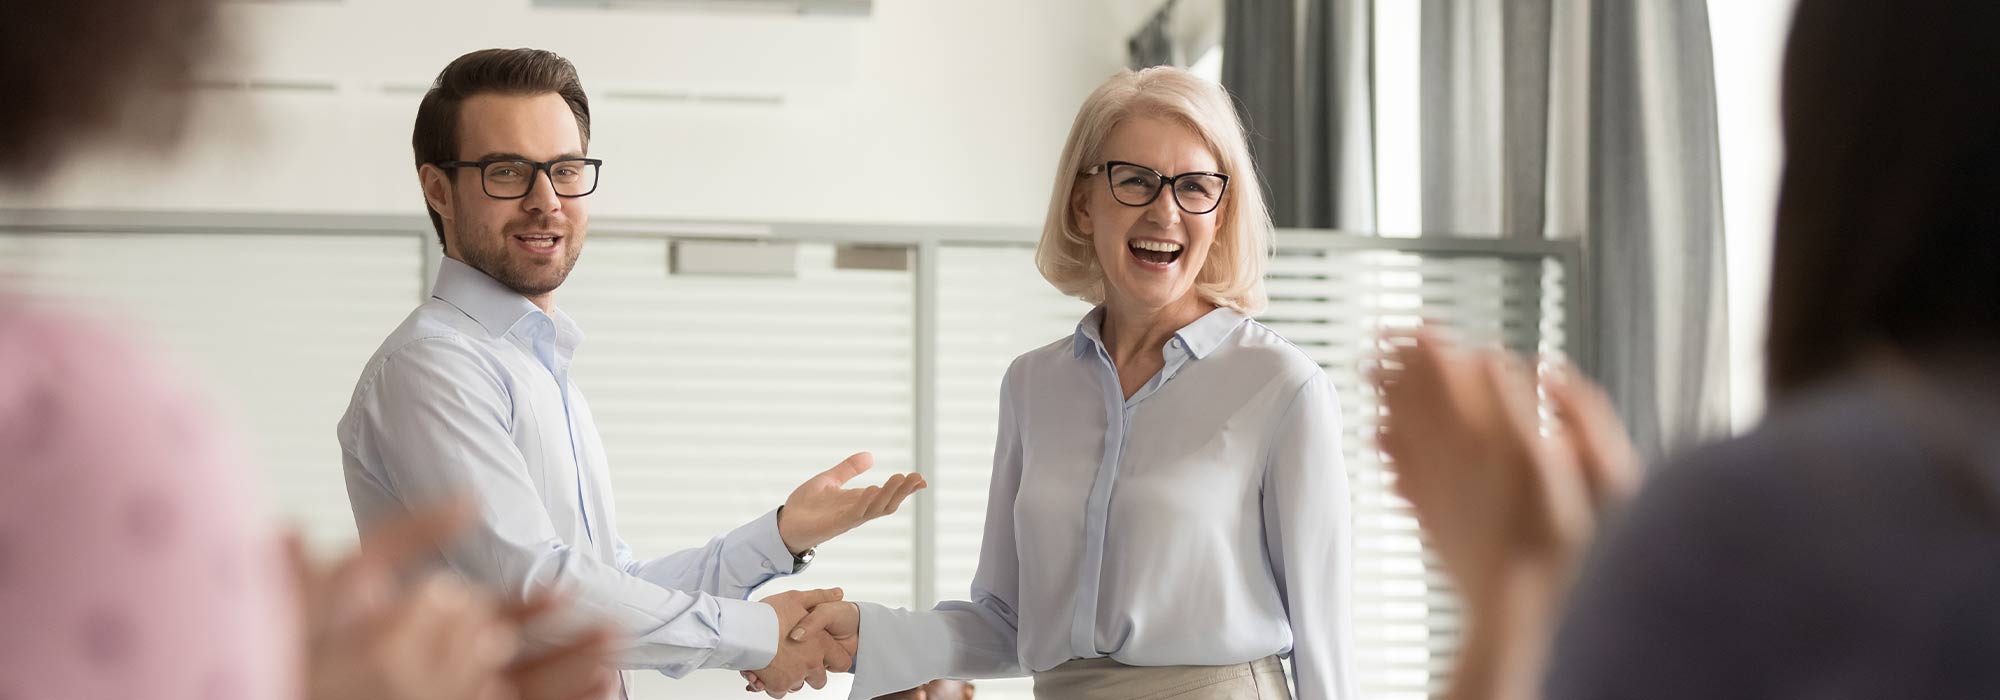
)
(1168, 512)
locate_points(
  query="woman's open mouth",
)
(1156, 253)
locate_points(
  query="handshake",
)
(819, 633)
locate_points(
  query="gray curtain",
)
(1594, 119)
(1153, 45)
(1655, 218)
(1303, 81)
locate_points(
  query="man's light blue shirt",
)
(471, 397)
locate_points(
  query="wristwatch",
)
(800, 560)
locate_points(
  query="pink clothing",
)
(132, 562)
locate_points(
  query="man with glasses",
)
(471, 396)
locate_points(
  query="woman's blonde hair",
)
(1233, 276)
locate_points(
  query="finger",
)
(402, 539)
(813, 598)
(815, 622)
(1512, 386)
(892, 497)
(473, 647)
(467, 640)
(877, 502)
(838, 658)
(848, 468)
(1561, 488)
(607, 681)
(816, 679)
(537, 605)
(1610, 463)
(577, 669)
(1395, 337)
(497, 689)
(1382, 376)
(352, 593)
(311, 590)
(589, 651)
(773, 681)
(296, 560)
(863, 502)
(1428, 345)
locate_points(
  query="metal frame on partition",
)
(926, 241)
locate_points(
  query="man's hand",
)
(820, 509)
(797, 662)
(837, 626)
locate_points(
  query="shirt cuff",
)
(890, 633)
(748, 636)
(754, 553)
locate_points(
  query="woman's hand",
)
(369, 637)
(1507, 509)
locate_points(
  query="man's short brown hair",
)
(490, 71)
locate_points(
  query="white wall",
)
(947, 111)
(1749, 38)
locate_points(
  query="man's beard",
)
(526, 277)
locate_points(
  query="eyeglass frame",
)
(536, 170)
(1167, 182)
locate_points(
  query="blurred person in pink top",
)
(133, 563)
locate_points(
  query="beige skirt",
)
(1104, 679)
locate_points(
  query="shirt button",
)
(768, 566)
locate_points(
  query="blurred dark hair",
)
(500, 71)
(1888, 229)
(74, 69)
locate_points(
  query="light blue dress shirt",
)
(1204, 521)
(471, 396)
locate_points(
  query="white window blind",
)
(992, 306)
(717, 394)
(1334, 301)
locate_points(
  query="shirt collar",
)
(496, 308)
(1207, 333)
(1201, 337)
(1089, 332)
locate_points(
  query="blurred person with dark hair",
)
(132, 561)
(1845, 548)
